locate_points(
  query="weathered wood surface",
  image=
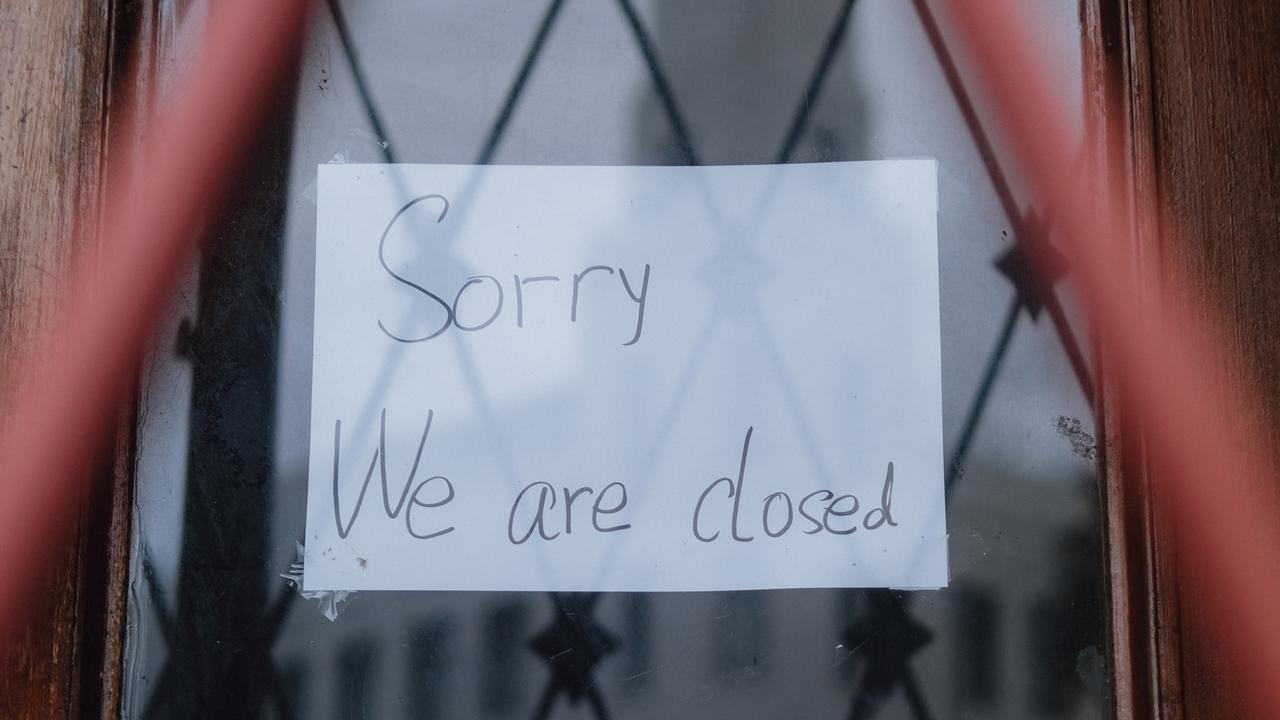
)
(1191, 91)
(53, 67)
(1215, 95)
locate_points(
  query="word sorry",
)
(452, 315)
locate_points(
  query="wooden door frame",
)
(1143, 616)
(1195, 90)
(132, 80)
(1184, 93)
(68, 662)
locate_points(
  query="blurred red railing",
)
(151, 222)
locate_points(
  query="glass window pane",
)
(215, 628)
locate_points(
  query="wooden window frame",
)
(1142, 598)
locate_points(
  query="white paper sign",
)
(626, 378)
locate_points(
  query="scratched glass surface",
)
(216, 629)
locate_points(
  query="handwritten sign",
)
(626, 378)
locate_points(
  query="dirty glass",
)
(216, 629)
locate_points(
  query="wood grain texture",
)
(1108, 80)
(1144, 617)
(53, 65)
(1215, 94)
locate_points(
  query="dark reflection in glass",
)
(501, 688)
(975, 615)
(1065, 628)
(572, 647)
(295, 690)
(226, 618)
(356, 673)
(619, 82)
(431, 645)
(883, 637)
(636, 642)
(740, 635)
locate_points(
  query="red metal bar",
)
(148, 231)
(1160, 354)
